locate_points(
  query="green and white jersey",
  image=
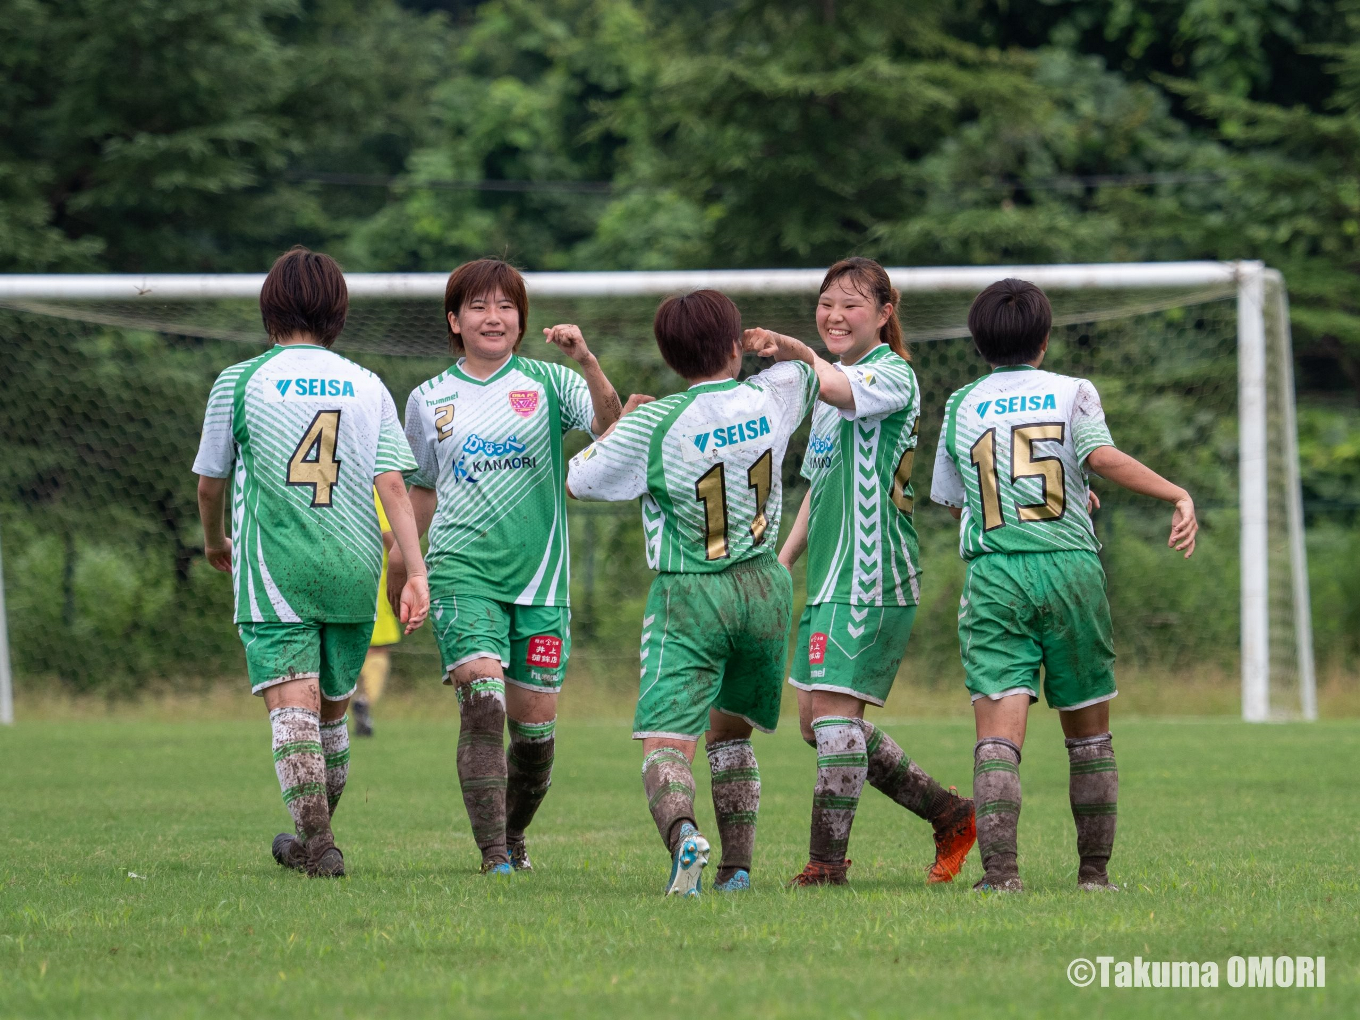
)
(706, 463)
(492, 450)
(1012, 454)
(302, 433)
(862, 546)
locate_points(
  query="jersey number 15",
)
(1025, 463)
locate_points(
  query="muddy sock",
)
(842, 765)
(301, 768)
(529, 762)
(669, 785)
(1093, 786)
(996, 792)
(892, 773)
(335, 746)
(736, 800)
(481, 763)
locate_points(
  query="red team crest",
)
(524, 402)
(817, 649)
(544, 650)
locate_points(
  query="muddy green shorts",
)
(851, 649)
(332, 653)
(531, 642)
(714, 641)
(1020, 611)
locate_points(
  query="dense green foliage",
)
(199, 135)
(211, 927)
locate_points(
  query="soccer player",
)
(863, 569)
(1013, 461)
(386, 633)
(305, 436)
(706, 463)
(487, 436)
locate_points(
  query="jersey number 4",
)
(1025, 463)
(711, 491)
(313, 462)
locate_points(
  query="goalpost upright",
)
(1261, 306)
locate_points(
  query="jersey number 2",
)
(711, 491)
(1024, 464)
(313, 462)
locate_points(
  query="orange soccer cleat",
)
(955, 834)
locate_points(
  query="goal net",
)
(104, 380)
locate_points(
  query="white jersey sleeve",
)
(217, 446)
(573, 397)
(881, 388)
(946, 484)
(615, 467)
(394, 453)
(1089, 431)
(421, 441)
(794, 386)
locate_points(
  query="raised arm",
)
(1118, 467)
(798, 534)
(604, 399)
(834, 386)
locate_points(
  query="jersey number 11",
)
(711, 491)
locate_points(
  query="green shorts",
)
(851, 649)
(330, 652)
(531, 642)
(1020, 611)
(714, 641)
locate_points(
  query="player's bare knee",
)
(333, 710)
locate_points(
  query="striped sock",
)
(842, 765)
(736, 801)
(892, 773)
(1093, 787)
(996, 792)
(669, 784)
(529, 763)
(301, 768)
(481, 763)
(335, 746)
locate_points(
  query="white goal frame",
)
(1249, 278)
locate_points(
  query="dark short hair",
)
(696, 332)
(304, 292)
(480, 279)
(1009, 321)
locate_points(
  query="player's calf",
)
(1093, 787)
(482, 764)
(301, 767)
(669, 785)
(996, 793)
(335, 748)
(842, 765)
(529, 763)
(736, 802)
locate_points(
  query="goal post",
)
(1275, 638)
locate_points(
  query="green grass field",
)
(1234, 840)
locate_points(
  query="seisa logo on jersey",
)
(524, 402)
(698, 445)
(1010, 405)
(301, 388)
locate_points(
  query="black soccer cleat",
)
(289, 852)
(324, 859)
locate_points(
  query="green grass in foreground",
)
(1233, 840)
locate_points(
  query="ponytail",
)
(871, 280)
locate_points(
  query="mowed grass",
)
(1233, 840)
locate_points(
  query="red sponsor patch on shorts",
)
(817, 649)
(544, 650)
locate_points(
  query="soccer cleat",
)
(986, 885)
(519, 857)
(955, 834)
(497, 868)
(738, 881)
(363, 721)
(688, 862)
(324, 859)
(818, 873)
(289, 851)
(1099, 883)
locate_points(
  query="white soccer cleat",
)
(687, 867)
